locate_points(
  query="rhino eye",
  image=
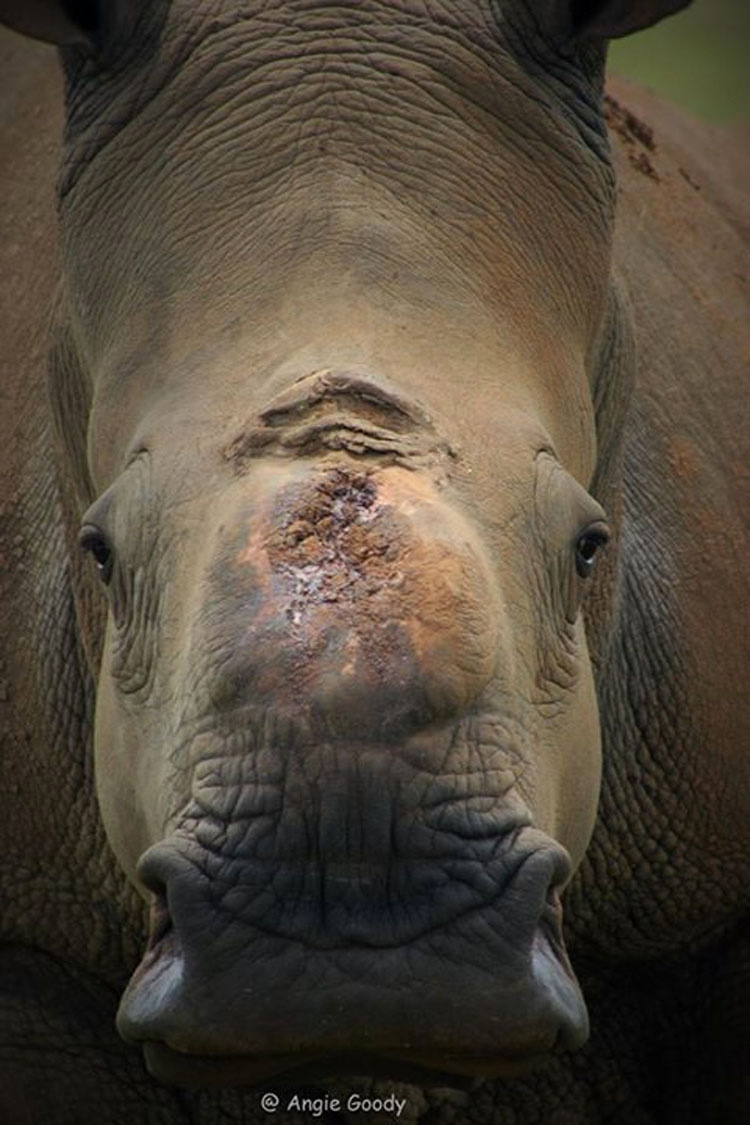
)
(95, 543)
(588, 545)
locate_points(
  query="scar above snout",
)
(342, 411)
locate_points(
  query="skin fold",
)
(339, 755)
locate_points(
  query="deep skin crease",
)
(448, 311)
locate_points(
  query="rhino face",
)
(347, 735)
(341, 434)
(347, 738)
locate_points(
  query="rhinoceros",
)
(375, 572)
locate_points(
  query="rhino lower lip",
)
(180, 1068)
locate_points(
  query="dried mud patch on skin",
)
(636, 134)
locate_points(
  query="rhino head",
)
(347, 364)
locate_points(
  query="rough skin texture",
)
(656, 915)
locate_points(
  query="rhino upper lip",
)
(159, 862)
(164, 941)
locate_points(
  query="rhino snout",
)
(358, 594)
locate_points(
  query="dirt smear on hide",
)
(640, 145)
(334, 544)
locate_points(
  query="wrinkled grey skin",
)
(346, 683)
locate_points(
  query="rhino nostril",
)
(160, 920)
(551, 923)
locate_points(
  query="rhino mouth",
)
(488, 995)
(292, 1071)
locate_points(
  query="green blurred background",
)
(699, 58)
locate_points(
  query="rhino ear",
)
(609, 19)
(601, 19)
(68, 23)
